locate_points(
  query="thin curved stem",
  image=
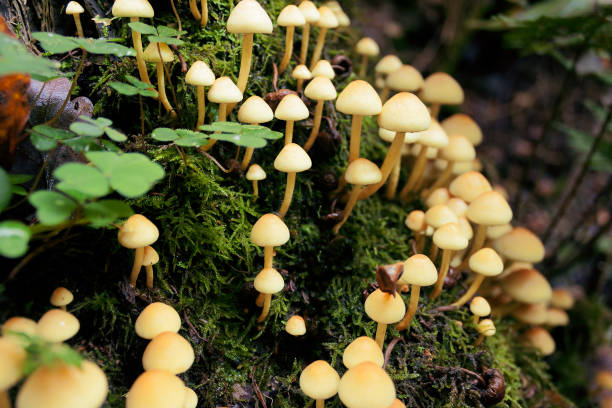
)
(355, 137)
(420, 242)
(393, 180)
(193, 7)
(204, 20)
(479, 239)
(305, 38)
(446, 258)
(288, 194)
(412, 308)
(5, 401)
(316, 125)
(300, 85)
(149, 269)
(201, 106)
(178, 18)
(255, 190)
(288, 132)
(138, 257)
(137, 41)
(394, 156)
(384, 94)
(433, 252)
(320, 403)
(435, 110)
(259, 301)
(470, 292)
(288, 50)
(417, 172)
(161, 88)
(266, 308)
(381, 330)
(479, 340)
(316, 54)
(353, 198)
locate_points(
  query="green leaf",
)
(101, 121)
(14, 238)
(110, 146)
(167, 40)
(115, 135)
(149, 93)
(86, 129)
(124, 89)
(55, 43)
(104, 212)
(137, 82)
(41, 142)
(20, 178)
(16, 59)
(6, 190)
(142, 28)
(82, 178)
(18, 190)
(225, 127)
(51, 132)
(52, 208)
(260, 131)
(164, 134)
(192, 140)
(105, 47)
(82, 143)
(240, 140)
(105, 161)
(134, 174)
(165, 31)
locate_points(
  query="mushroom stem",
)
(245, 61)
(77, 23)
(420, 242)
(255, 190)
(288, 132)
(260, 300)
(443, 178)
(288, 194)
(394, 155)
(138, 258)
(248, 155)
(316, 126)
(142, 67)
(384, 94)
(355, 137)
(433, 252)
(364, 66)
(63, 307)
(446, 258)
(5, 401)
(161, 88)
(470, 292)
(479, 340)
(417, 171)
(412, 308)
(381, 330)
(300, 85)
(320, 403)
(476, 319)
(268, 256)
(149, 269)
(288, 49)
(201, 105)
(266, 308)
(204, 20)
(304, 49)
(193, 6)
(222, 118)
(316, 54)
(434, 111)
(393, 180)
(479, 239)
(355, 193)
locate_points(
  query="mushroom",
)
(520, 245)
(168, 351)
(485, 263)
(404, 79)
(289, 17)
(384, 308)
(486, 328)
(295, 326)
(269, 231)
(18, 324)
(311, 15)
(247, 18)
(156, 389)
(531, 313)
(326, 21)
(253, 111)
(268, 282)
(324, 68)
(366, 47)
(319, 381)
(159, 53)
(440, 89)
(463, 125)
(360, 173)
(155, 319)
(290, 109)
(383, 68)
(540, 339)
(436, 217)
(362, 349)
(527, 286)
(134, 9)
(137, 232)
(459, 149)
(149, 259)
(320, 89)
(562, 298)
(13, 357)
(57, 325)
(469, 186)
(358, 99)
(418, 271)
(224, 92)
(415, 220)
(497, 231)
(292, 159)
(61, 297)
(200, 75)
(397, 404)
(191, 398)
(75, 9)
(449, 238)
(366, 385)
(479, 308)
(439, 196)
(301, 73)
(255, 174)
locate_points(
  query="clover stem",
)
(446, 258)
(316, 54)
(316, 126)
(381, 330)
(222, 118)
(149, 269)
(193, 6)
(288, 132)
(268, 256)
(470, 292)
(266, 307)
(288, 194)
(355, 138)
(412, 308)
(204, 20)
(305, 37)
(255, 190)
(201, 105)
(417, 171)
(142, 67)
(138, 258)
(161, 88)
(288, 49)
(394, 155)
(349, 207)
(70, 91)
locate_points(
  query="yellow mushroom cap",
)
(301, 72)
(323, 68)
(362, 349)
(513, 267)
(388, 64)
(556, 317)
(469, 186)
(440, 214)
(248, 17)
(269, 281)
(449, 236)
(157, 318)
(457, 205)
(419, 270)
(521, 245)
(291, 107)
(13, 358)
(152, 54)
(19, 324)
(496, 231)
(343, 19)
(151, 257)
(327, 18)
(255, 172)
(359, 98)
(603, 379)
(486, 327)
(57, 325)
(255, 110)
(438, 196)
(480, 307)
(486, 262)
(458, 149)
(137, 232)
(321, 89)
(191, 398)
(384, 307)
(319, 380)
(367, 46)
(296, 326)
(489, 208)
(269, 230)
(531, 313)
(156, 389)
(415, 220)
(362, 172)
(292, 159)
(465, 227)
(224, 90)
(200, 74)
(561, 298)
(61, 297)
(290, 16)
(462, 124)
(309, 11)
(397, 404)
(366, 385)
(405, 78)
(540, 339)
(132, 8)
(441, 88)
(168, 351)
(527, 286)
(434, 137)
(404, 112)
(74, 8)
(389, 135)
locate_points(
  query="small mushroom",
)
(458, 150)
(200, 75)
(324, 68)
(137, 232)
(57, 326)
(527, 286)
(255, 174)
(311, 15)
(289, 17)
(253, 111)
(191, 398)
(415, 220)
(541, 340)
(224, 92)
(292, 159)
(269, 231)
(159, 53)
(168, 351)
(366, 385)
(362, 349)
(156, 389)
(463, 125)
(295, 326)
(440, 89)
(290, 109)
(439, 196)
(531, 313)
(75, 9)
(520, 245)
(13, 357)
(268, 282)
(479, 308)
(367, 48)
(319, 381)
(301, 73)
(404, 79)
(449, 238)
(383, 68)
(486, 328)
(485, 263)
(149, 259)
(320, 89)
(18, 324)
(155, 319)
(418, 271)
(562, 298)
(384, 308)
(436, 217)
(326, 21)
(469, 186)
(61, 297)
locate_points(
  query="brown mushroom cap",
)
(462, 124)
(13, 357)
(440, 214)
(521, 245)
(321, 89)
(137, 232)
(405, 78)
(362, 349)
(295, 326)
(562, 298)
(388, 64)
(441, 88)
(168, 351)
(224, 90)
(323, 68)
(362, 172)
(384, 307)
(200, 74)
(309, 11)
(366, 385)
(469, 186)
(152, 54)
(132, 8)
(249, 17)
(540, 339)
(527, 286)
(269, 281)
(157, 318)
(419, 270)
(292, 159)
(61, 297)
(57, 325)
(291, 107)
(359, 98)
(480, 307)
(367, 46)
(489, 208)
(449, 236)
(269, 230)
(486, 262)
(156, 389)
(255, 172)
(404, 112)
(319, 380)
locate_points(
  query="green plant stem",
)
(36, 180)
(70, 91)
(142, 124)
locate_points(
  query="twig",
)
(69, 94)
(178, 19)
(389, 349)
(223, 169)
(441, 309)
(258, 393)
(275, 77)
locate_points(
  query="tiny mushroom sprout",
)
(415, 221)
(255, 174)
(134, 9)
(449, 238)
(61, 297)
(358, 99)
(366, 385)
(383, 68)
(485, 263)
(290, 109)
(253, 111)
(418, 271)
(404, 79)
(269, 231)
(247, 18)
(295, 326)
(292, 159)
(540, 339)
(486, 328)
(311, 15)
(301, 73)
(326, 21)
(527, 286)
(319, 381)
(520, 245)
(200, 75)
(320, 89)
(136, 233)
(562, 298)
(13, 358)
(151, 257)
(268, 282)
(75, 9)
(168, 351)
(324, 68)
(155, 319)
(384, 308)
(191, 398)
(57, 325)
(479, 307)
(367, 48)
(458, 150)
(360, 173)
(224, 92)
(156, 389)
(159, 53)
(469, 186)
(441, 89)
(462, 124)
(362, 349)
(289, 17)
